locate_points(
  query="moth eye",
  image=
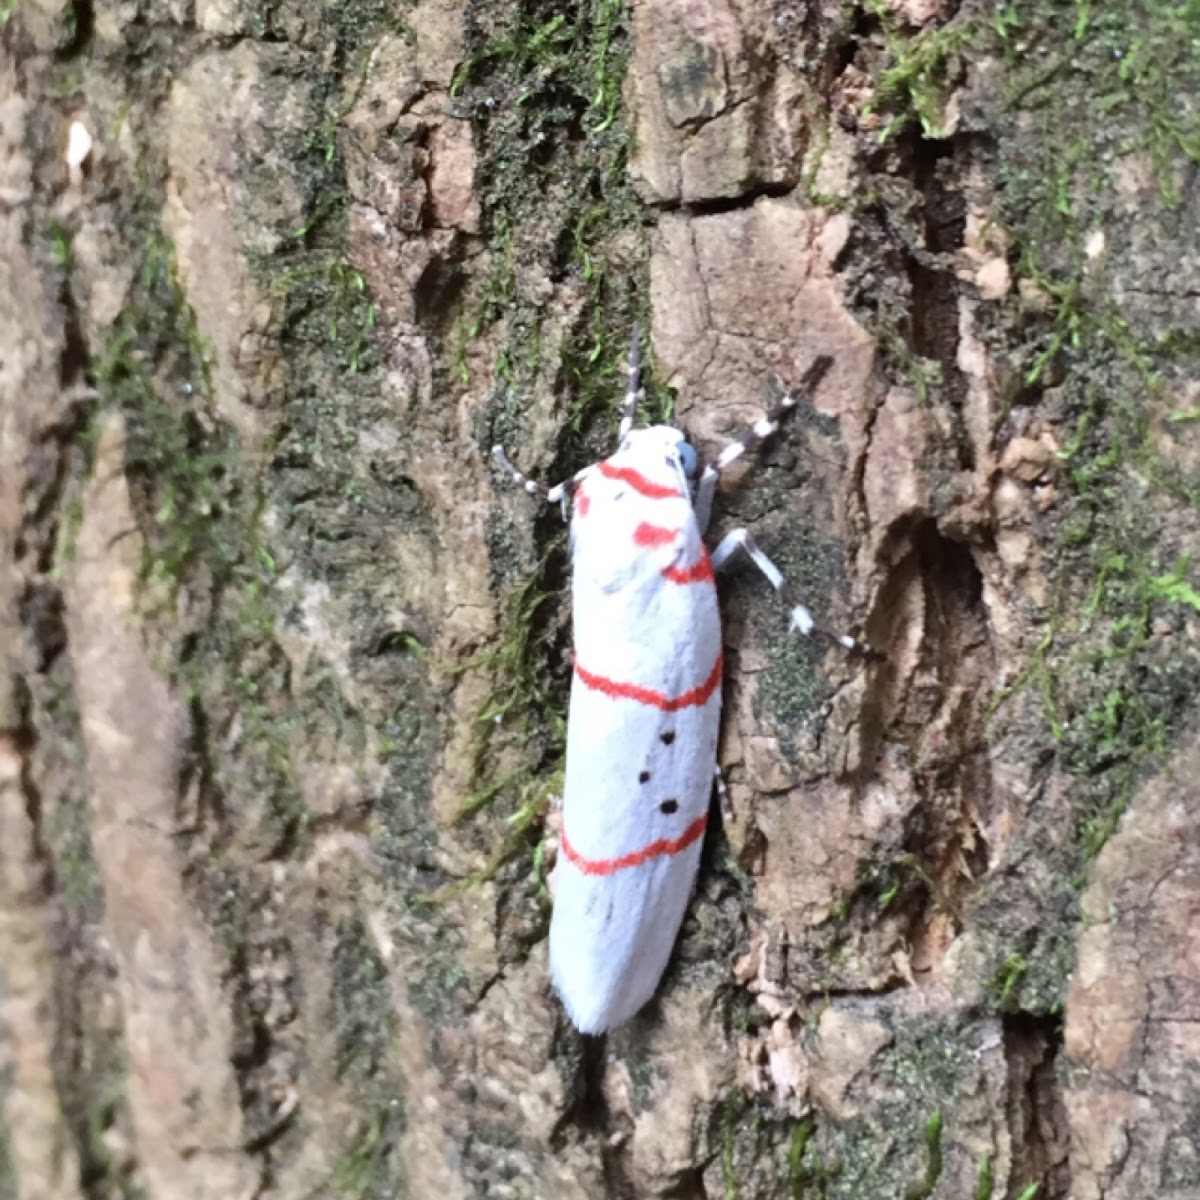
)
(688, 459)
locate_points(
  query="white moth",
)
(645, 704)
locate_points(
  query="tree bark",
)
(285, 669)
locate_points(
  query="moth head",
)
(662, 448)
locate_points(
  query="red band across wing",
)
(620, 690)
(699, 572)
(638, 481)
(663, 848)
(653, 535)
(650, 536)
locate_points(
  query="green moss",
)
(923, 1188)
(335, 506)
(1104, 365)
(543, 87)
(328, 498)
(92, 1088)
(199, 516)
(221, 527)
(155, 369)
(807, 1174)
(366, 1020)
(66, 78)
(813, 160)
(319, 299)
(521, 709)
(60, 246)
(532, 635)
(369, 1168)
(75, 865)
(764, 1153)
(859, 1163)
(321, 307)
(407, 737)
(66, 822)
(1140, 57)
(327, 291)
(1051, 960)
(100, 1116)
(984, 1181)
(881, 883)
(926, 1067)
(1007, 979)
(731, 1110)
(915, 86)
(1114, 692)
(8, 1168)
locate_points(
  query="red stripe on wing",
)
(620, 690)
(662, 848)
(699, 572)
(653, 535)
(638, 481)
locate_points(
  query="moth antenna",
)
(762, 429)
(560, 493)
(633, 390)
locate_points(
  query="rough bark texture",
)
(284, 664)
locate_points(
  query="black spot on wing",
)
(644, 777)
(669, 807)
(667, 737)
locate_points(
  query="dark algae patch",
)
(567, 278)
(1097, 131)
(1084, 120)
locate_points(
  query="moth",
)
(644, 716)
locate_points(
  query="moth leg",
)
(633, 389)
(706, 490)
(560, 493)
(722, 787)
(762, 429)
(802, 621)
(547, 849)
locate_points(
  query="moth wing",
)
(641, 749)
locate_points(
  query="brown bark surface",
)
(284, 663)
